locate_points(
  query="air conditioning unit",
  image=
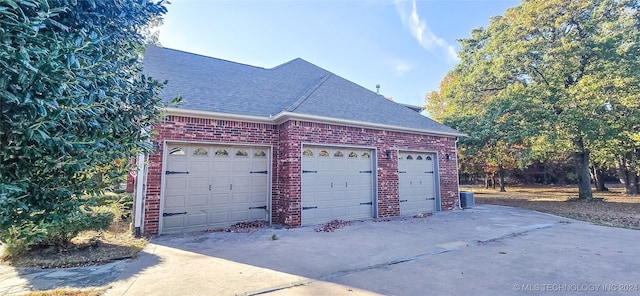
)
(466, 200)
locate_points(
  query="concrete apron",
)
(487, 250)
(179, 272)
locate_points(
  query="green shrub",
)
(106, 198)
(61, 232)
(75, 64)
(121, 203)
(126, 200)
(16, 247)
(17, 241)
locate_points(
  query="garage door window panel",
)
(200, 152)
(177, 152)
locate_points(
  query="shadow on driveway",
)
(486, 250)
(17, 280)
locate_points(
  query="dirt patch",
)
(332, 226)
(89, 248)
(611, 208)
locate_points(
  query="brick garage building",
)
(293, 145)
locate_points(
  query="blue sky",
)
(405, 46)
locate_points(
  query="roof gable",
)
(296, 87)
(340, 98)
(210, 84)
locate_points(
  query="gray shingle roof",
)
(215, 85)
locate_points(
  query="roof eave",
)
(285, 116)
(218, 115)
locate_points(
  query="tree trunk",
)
(621, 169)
(486, 181)
(598, 176)
(628, 177)
(545, 178)
(633, 182)
(501, 175)
(581, 158)
(493, 181)
(547, 175)
(635, 177)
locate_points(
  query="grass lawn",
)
(612, 208)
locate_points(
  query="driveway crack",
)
(342, 273)
(277, 288)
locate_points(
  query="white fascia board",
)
(218, 115)
(285, 116)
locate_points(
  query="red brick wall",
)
(294, 133)
(287, 140)
(179, 128)
(287, 205)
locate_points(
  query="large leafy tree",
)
(497, 135)
(72, 99)
(572, 66)
(438, 101)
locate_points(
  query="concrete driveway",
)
(487, 250)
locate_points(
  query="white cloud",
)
(421, 32)
(401, 67)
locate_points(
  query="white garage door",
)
(210, 186)
(416, 176)
(337, 183)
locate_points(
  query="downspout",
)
(458, 174)
(139, 197)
